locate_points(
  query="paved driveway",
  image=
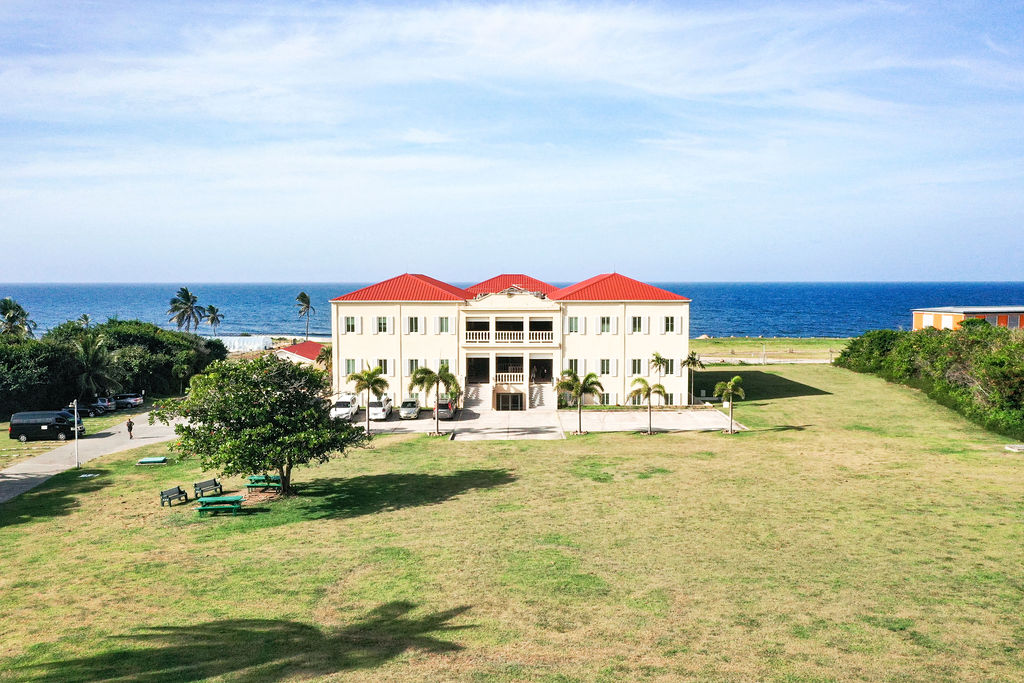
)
(636, 420)
(507, 424)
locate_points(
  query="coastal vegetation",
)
(258, 416)
(306, 309)
(978, 370)
(185, 310)
(14, 320)
(729, 391)
(857, 530)
(78, 359)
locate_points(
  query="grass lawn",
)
(748, 349)
(857, 531)
(13, 451)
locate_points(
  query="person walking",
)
(130, 425)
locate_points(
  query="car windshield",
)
(375, 404)
(342, 404)
(408, 404)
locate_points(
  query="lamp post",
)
(78, 465)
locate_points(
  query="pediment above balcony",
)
(512, 299)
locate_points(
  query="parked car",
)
(128, 400)
(345, 407)
(380, 410)
(44, 424)
(445, 410)
(409, 410)
(86, 409)
(108, 405)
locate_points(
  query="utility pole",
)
(78, 465)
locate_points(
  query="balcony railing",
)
(508, 377)
(542, 337)
(509, 337)
(478, 336)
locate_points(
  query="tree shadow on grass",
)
(368, 494)
(55, 497)
(258, 649)
(757, 384)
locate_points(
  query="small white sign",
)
(86, 476)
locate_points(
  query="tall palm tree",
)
(214, 317)
(426, 379)
(691, 363)
(570, 383)
(730, 391)
(325, 357)
(305, 309)
(84, 320)
(185, 310)
(369, 381)
(14, 320)
(645, 391)
(95, 364)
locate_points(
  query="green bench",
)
(264, 482)
(220, 504)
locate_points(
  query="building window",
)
(574, 324)
(443, 364)
(350, 323)
(606, 324)
(637, 399)
(670, 323)
(414, 325)
(606, 366)
(382, 363)
(350, 366)
(442, 325)
(606, 399)
(382, 324)
(637, 366)
(670, 369)
(574, 365)
(415, 396)
(670, 399)
(413, 366)
(638, 324)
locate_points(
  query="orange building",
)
(950, 317)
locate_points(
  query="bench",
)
(161, 460)
(171, 495)
(220, 504)
(264, 481)
(208, 486)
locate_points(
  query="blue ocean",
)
(770, 309)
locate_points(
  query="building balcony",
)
(509, 378)
(478, 336)
(509, 337)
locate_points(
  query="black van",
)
(44, 424)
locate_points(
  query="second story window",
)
(414, 325)
(574, 324)
(670, 369)
(382, 363)
(443, 363)
(606, 366)
(382, 324)
(574, 365)
(636, 366)
(606, 324)
(670, 324)
(638, 324)
(350, 324)
(350, 366)
(414, 365)
(442, 324)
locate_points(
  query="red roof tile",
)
(614, 287)
(408, 287)
(306, 349)
(500, 283)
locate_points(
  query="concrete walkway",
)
(28, 474)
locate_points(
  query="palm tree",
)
(369, 380)
(305, 309)
(84, 320)
(214, 317)
(325, 357)
(14, 320)
(692, 361)
(578, 389)
(659, 363)
(729, 391)
(95, 364)
(645, 391)
(185, 311)
(426, 379)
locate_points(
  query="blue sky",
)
(241, 141)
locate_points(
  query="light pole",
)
(78, 465)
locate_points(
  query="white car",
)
(380, 409)
(345, 407)
(409, 410)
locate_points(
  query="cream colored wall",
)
(624, 345)
(397, 344)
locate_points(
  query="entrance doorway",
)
(540, 370)
(510, 401)
(478, 370)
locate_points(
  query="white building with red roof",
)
(508, 338)
(304, 353)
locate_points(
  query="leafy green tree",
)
(644, 390)
(426, 380)
(214, 318)
(325, 358)
(260, 415)
(305, 309)
(370, 381)
(691, 363)
(185, 310)
(14, 320)
(578, 389)
(97, 373)
(730, 391)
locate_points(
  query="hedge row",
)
(977, 370)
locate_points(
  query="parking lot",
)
(548, 424)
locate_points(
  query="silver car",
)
(409, 410)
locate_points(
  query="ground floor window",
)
(509, 401)
(670, 368)
(606, 399)
(443, 363)
(637, 399)
(350, 366)
(670, 399)
(574, 365)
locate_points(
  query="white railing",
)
(478, 335)
(508, 378)
(547, 336)
(508, 336)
